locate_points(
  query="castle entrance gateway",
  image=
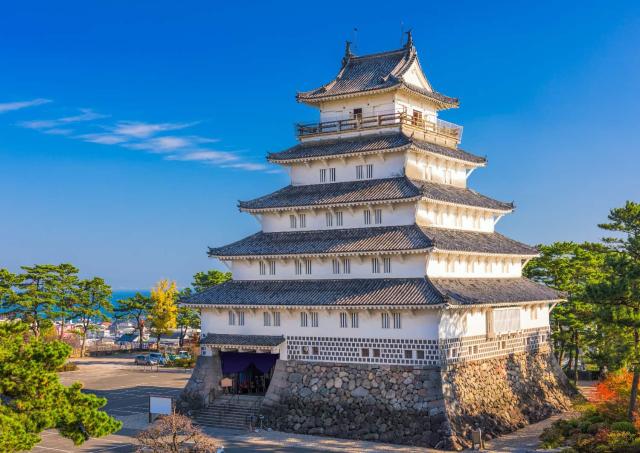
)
(247, 361)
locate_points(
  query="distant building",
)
(376, 255)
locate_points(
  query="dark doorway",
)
(250, 372)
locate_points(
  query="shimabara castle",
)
(378, 302)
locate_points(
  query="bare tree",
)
(175, 433)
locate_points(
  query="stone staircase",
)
(230, 412)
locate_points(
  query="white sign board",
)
(160, 405)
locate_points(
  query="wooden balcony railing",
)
(380, 121)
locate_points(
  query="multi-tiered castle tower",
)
(377, 254)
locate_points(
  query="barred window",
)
(323, 175)
(346, 265)
(386, 264)
(329, 219)
(232, 318)
(272, 268)
(267, 318)
(378, 216)
(343, 320)
(276, 318)
(376, 352)
(451, 264)
(293, 222)
(339, 218)
(332, 174)
(304, 319)
(359, 172)
(354, 320)
(335, 263)
(263, 268)
(302, 218)
(385, 320)
(534, 313)
(307, 266)
(397, 321)
(369, 171)
(314, 319)
(367, 216)
(408, 354)
(241, 318)
(364, 352)
(375, 265)
(506, 320)
(298, 265)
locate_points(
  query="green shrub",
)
(623, 426)
(68, 366)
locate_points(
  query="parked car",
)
(158, 357)
(184, 355)
(145, 360)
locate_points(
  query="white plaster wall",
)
(462, 323)
(415, 76)
(389, 165)
(407, 266)
(438, 215)
(427, 168)
(528, 321)
(416, 324)
(404, 102)
(392, 214)
(343, 109)
(472, 266)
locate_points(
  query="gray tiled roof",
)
(395, 142)
(370, 191)
(336, 193)
(242, 340)
(346, 240)
(353, 292)
(378, 239)
(476, 242)
(374, 292)
(473, 291)
(373, 72)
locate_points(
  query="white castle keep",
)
(377, 252)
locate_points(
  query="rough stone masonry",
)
(436, 407)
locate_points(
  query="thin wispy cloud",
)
(10, 106)
(145, 130)
(83, 116)
(103, 138)
(205, 156)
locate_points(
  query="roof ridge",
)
(378, 54)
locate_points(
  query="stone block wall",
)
(389, 403)
(503, 394)
(204, 379)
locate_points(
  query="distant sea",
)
(125, 294)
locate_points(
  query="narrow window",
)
(339, 218)
(323, 175)
(267, 318)
(241, 318)
(430, 173)
(448, 176)
(346, 265)
(302, 220)
(385, 320)
(293, 222)
(315, 350)
(272, 268)
(396, 321)
(386, 264)
(369, 171)
(263, 268)
(304, 319)
(332, 174)
(367, 216)
(354, 320)
(336, 265)
(408, 354)
(276, 318)
(232, 318)
(469, 263)
(534, 313)
(298, 265)
(329, 219)
(357, 114)
(416, 119)
(359, 172)
(314, 319)
(505, 267)
(375, 265)
(307, 267)
(343, 320)
(378, 216)
(451, 264)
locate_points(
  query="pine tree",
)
(136, 308)
(93, 303)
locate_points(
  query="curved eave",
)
(487, 254)
(456, 306)
(398, 149)
(468, 206)
(320, 255)
(324, 307)
(329, 205)
(314, 99)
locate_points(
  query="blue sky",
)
(129, 130)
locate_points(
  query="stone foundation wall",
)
(390, 403)
(503, 394)
(205, 377)
(412, 405)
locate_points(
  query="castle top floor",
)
(381, 92)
